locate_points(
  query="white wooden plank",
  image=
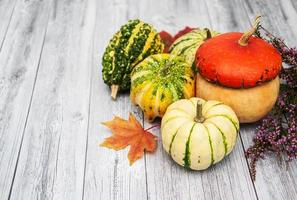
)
(279, 16)
(108, 174)
(225, 180)
(227, 16)
(6, 11)
(52, 157)
(171, 16)
(229, 179)
(51, 161)
(289, 10)
(19, 61)
(273, 180)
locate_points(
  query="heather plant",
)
(277, 132)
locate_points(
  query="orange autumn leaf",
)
(129, 132)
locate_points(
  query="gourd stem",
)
(243, 41)
(114, 91)
(165, 70)
(199, 118)
(208, 34)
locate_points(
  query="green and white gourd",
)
(198, 133)
(187, 45)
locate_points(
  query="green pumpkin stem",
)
(243, 41)
(199, 118)
(114, 91)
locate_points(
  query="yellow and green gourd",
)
(134, 41)
(198, 133)
(160, 80)
(187, 45)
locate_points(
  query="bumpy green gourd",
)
(134, 41)
(187, 45)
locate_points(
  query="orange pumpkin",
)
(240, 70)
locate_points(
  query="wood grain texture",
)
(19, 63)
(273, 180)
(6, 11)
(279, 17)
(53, 99)
(52, 158)
(108, 174)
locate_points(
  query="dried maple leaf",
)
(129, 132)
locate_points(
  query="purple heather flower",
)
(278, 131)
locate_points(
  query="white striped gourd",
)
(158, 81)
(198, 133)
(187, 45)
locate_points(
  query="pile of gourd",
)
(237, 81)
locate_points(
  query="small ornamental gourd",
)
(187, 45)
(158, 81)
(134, 41)
(198, 133)
(240, 70)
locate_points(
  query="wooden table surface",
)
(52, 100)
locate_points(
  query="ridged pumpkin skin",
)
(134, 41)
(160, 80)
(187, 45)
(197, 145)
